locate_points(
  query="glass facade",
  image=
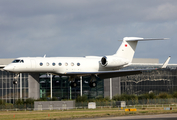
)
(10, 92)
(156, 81)
(61, 88)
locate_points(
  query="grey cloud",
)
(85, 27)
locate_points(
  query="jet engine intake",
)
(112, 61)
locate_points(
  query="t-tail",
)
(128, 46)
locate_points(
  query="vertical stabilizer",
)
(128, 46)
(127, 49)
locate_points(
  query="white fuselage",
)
(59, 65)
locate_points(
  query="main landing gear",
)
(73, 84)
(92, 82)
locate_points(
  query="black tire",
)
(73, 84)
(15, 82)
(92, 84)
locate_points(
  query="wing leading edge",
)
(106, 74)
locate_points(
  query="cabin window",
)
(78, 64)
(41, 64)
(60, 64)
(53, 64)
(72, 64)
(66, 64)
(47, 64)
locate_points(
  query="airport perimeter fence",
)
(145, 103)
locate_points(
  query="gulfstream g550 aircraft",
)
(103, 67)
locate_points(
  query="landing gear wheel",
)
(92, 84)
(15, 82)
(73, 84)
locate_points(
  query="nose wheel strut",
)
(15, 79)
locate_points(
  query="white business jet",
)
(103, 67)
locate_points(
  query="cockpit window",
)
(18, 61)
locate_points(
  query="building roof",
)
(5, 61)
(145, 60)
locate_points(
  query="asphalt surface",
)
(138, 117)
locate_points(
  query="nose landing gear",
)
(15, 82)
(15, 79)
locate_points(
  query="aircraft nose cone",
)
(8, 68)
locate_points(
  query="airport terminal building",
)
(33, 85)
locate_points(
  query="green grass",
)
(143, 112)
(80, 113)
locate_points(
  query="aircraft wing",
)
(109, 74)
(106, 74)
(117, 73)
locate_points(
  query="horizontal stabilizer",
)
(142, 39)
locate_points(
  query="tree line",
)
(122, 97)
(125, 97)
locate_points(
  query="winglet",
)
(166, 62)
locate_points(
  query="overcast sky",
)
(30, 28)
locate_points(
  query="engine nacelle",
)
(113, 61)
